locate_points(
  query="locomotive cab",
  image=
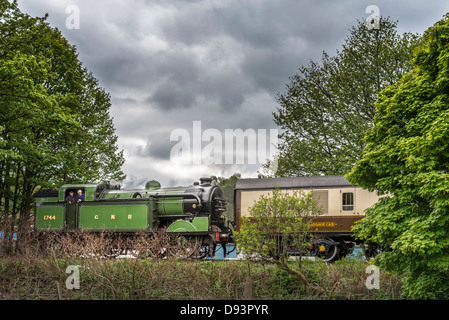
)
(75, 192)
(87, 189)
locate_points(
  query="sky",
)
(181, 73)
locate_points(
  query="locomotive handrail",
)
(177, 195)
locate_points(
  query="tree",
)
(278, 222)
(55, 125)
(406, 158)
(327, 107)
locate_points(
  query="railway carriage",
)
(343, 205)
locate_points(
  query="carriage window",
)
(348, 201)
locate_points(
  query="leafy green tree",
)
(278, 222)
(328, 106)
(406, 158)
(55, 125)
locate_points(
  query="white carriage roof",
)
(294, 182)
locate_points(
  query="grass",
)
(45, 278)
(38, 271)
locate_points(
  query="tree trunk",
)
(296, 273)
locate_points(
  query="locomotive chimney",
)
(205, 180)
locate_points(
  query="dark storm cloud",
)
(271, 40)
(220, 51)
(175, 77)
(172, 97)
(271, 36)
(156, 148)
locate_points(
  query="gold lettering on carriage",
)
(324, 224)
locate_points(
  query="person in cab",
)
(79, 196)
(70, 199)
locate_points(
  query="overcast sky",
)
(167, 63)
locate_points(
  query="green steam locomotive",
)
(196, 210)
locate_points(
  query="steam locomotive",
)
(193, 211)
